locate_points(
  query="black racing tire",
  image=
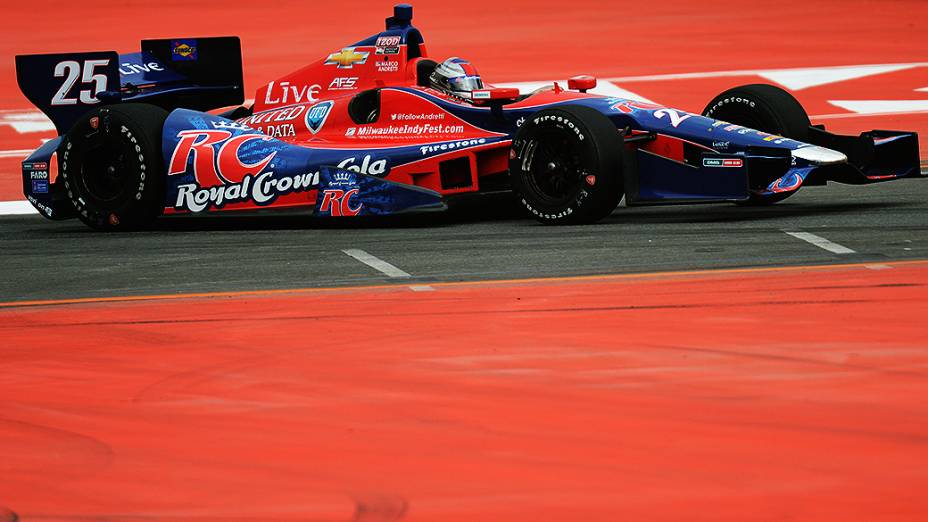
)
(566, 165)
(765, 108)
(112, 168)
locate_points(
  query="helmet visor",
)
(466, 83)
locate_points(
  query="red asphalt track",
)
(775, 394)
(772, 394)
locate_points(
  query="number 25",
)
(72, 70)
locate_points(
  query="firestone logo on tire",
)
(222, 177)
(561, 121)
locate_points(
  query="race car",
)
(379, 128)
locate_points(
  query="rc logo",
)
(338, 202)
(628, 106)
(214, 168)
(316, 116)
(221, 177)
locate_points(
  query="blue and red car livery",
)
(361, 131)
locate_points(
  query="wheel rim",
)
(554, 168)
(106, 169)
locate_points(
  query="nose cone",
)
(820, 155)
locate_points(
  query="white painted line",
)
(683, 76)
(821, 242)
(421, 288)
(842, 115)
(614, 91)
(23, 121)
(878, 267)
(21, 153)
(758, 72)
(376, 263)
(16, 208)
(881, 106)
(803, 78)
(604, 88)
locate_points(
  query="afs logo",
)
(344, 83)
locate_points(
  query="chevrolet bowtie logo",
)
(346, 58)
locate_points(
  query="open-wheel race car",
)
(379, 128)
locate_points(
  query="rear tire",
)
(566, 165)
(765, 108)
(112, 168)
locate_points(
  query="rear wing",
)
(194, 73)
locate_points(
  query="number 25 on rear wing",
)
(194, 73)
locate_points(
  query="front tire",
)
(566, 165)
(765, 108)
(112, 168)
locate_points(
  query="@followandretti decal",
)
(223, 178)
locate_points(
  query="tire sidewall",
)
(141, 199)
(587, 201)
(720, 104)
(777, 110)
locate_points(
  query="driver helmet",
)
(456, 76)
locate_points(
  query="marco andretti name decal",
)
(222, 178)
